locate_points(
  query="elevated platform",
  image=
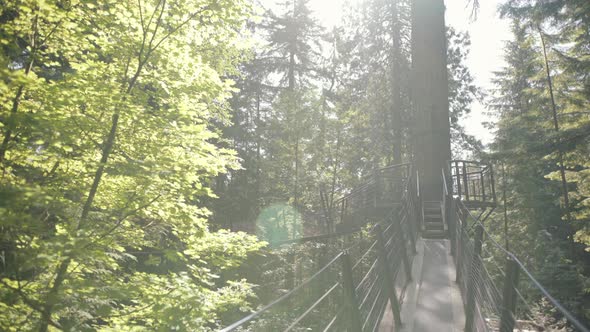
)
(473, 183)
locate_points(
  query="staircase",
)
(433, 226)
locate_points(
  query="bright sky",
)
(488, 34)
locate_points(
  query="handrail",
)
(384, 241)
(417, 183)
(316, 237)
(280, 299)
(366, 183)
(570, 317)
(473, 162)
(324, 236)
(445, 186)
(383, 247)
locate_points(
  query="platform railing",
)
(473, 182)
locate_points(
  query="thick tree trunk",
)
(430, 95)
(396, 89)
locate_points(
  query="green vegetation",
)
(111, 114)
(543, 128)
(137, 138)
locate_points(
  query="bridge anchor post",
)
(349, 289)
(389, 281)
(507, 321)
(470, 309)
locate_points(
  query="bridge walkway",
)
(385, 275)
(433, 299)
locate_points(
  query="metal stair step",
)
(432, 234)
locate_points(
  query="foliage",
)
(110, 124)
(346, 112)
(534, 138)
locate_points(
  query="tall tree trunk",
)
(430, 95)
(396, 89)
(258, 149)
(291, 88)
(564, 188)
(292, 50)
(504, 207)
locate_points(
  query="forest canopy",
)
(150, 150)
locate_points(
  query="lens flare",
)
(279, 222)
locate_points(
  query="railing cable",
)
(569, 316)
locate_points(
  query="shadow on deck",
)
(433, 300)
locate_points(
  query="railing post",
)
(342, 211)
(458, 177)
(405, 258)
(466, 182)
(509, 296)
(389, 281)
(452, 222)
(377, 179)
(410, 222)
(483, 187)
(354, 314)
(459, 248)
(473, 275)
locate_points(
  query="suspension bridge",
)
(396, 260)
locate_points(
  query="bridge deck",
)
(433, 301)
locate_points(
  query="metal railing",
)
(492, 279)
(352, 289)
(473, 182)
(378, 193)
(359, 277)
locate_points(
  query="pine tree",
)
(525, 143)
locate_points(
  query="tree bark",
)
(430, 95)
